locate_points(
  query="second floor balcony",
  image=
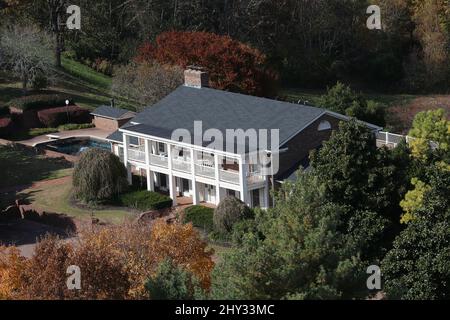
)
(204, 164)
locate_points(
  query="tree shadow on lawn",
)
(23, 232)
(21, 166)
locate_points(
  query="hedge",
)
(145, 200)
(200, 217)
(40, 131)
(40, 101)
(75, 126)
(56, 116)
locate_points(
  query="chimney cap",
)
(196, 68)
(196, 77)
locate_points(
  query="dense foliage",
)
(115, 261)
(145, 200)
(417, 266)
(311, 42)
(231, 65)
(342, 99)
(171, 282)
(99, 175)
(200, 217)
(300, 249)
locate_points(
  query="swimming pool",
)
(75, 146)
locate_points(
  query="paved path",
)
(91, 132)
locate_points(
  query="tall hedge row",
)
(40, 101)
(56, 116)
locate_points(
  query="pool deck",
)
(91, 132)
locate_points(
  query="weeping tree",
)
(99, 176)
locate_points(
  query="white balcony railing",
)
(159, 160)
(181, 165)
(136, 155)
(205, 171)
(229, 176)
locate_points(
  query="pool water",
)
(75, 146)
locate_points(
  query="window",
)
(324, 125)
(161, 147)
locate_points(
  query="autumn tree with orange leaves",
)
(232, 65)
(115, 262)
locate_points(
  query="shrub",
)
(145, 200)
(75, 126)
(99, 175)
(39, 82)
(40, 101)
(171, 282)
(40, 131)
(230, 211)
(201, 217)
(56, 116)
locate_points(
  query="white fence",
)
(392, 139)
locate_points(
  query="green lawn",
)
(88, 87)
(21, 166)
(57, 198)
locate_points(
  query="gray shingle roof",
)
(110, 112)
(221, 110)
(116, 136)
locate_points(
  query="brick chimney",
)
(196, 77)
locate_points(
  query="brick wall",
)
(301, 145)
(106, 124)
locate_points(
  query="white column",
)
(217, 178)
(243, 179)
(172, 181)
(125, 157)
(195, 198)
(150, 183)
(266, 193)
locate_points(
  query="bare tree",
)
(146, 83)
(26, 51)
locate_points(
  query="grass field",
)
(36, 180)
(21, 167)
(57, 198)
(89, 88)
